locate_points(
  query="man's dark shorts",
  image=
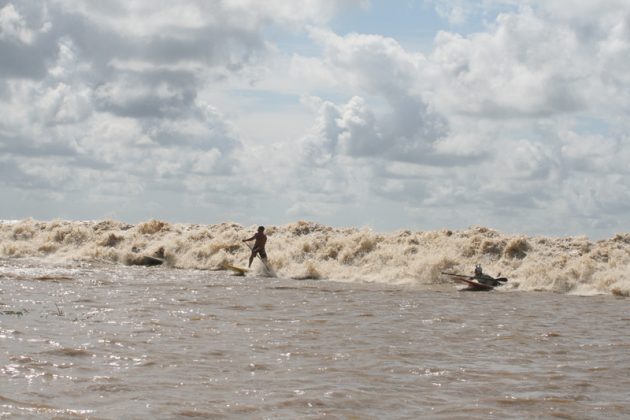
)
(260, 252)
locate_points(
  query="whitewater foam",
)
(307, 250)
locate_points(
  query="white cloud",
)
(63, 104)
(14, 27)
(524, 67)
(378, 67)
(312, 73)
(523, 120)
(455, 11)
(486, 113)
(595, 153)
(206, 161)
(373, 63)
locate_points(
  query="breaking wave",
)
(307, 250)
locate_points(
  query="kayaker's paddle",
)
(500, 279)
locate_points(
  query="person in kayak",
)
(484, 278)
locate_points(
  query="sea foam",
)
(307, 250)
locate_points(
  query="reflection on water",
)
(112, 341)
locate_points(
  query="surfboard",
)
(474, 286)
(238, 270)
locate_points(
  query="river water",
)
(97, 340)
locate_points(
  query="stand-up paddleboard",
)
(237, 270)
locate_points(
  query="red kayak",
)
(476, 286)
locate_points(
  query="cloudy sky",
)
(419, 115)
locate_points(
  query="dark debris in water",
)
(55, 279)
(12, 312)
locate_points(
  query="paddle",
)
(500, 279)
(457, 275)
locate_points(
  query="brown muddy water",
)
(110, 341)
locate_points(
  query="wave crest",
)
(310, 250)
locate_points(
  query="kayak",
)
(475, 286)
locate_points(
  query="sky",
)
(410, 114)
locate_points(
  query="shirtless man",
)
(259, 245)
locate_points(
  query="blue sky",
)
(412, 23)
(426, 114)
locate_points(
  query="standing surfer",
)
(259, 245)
